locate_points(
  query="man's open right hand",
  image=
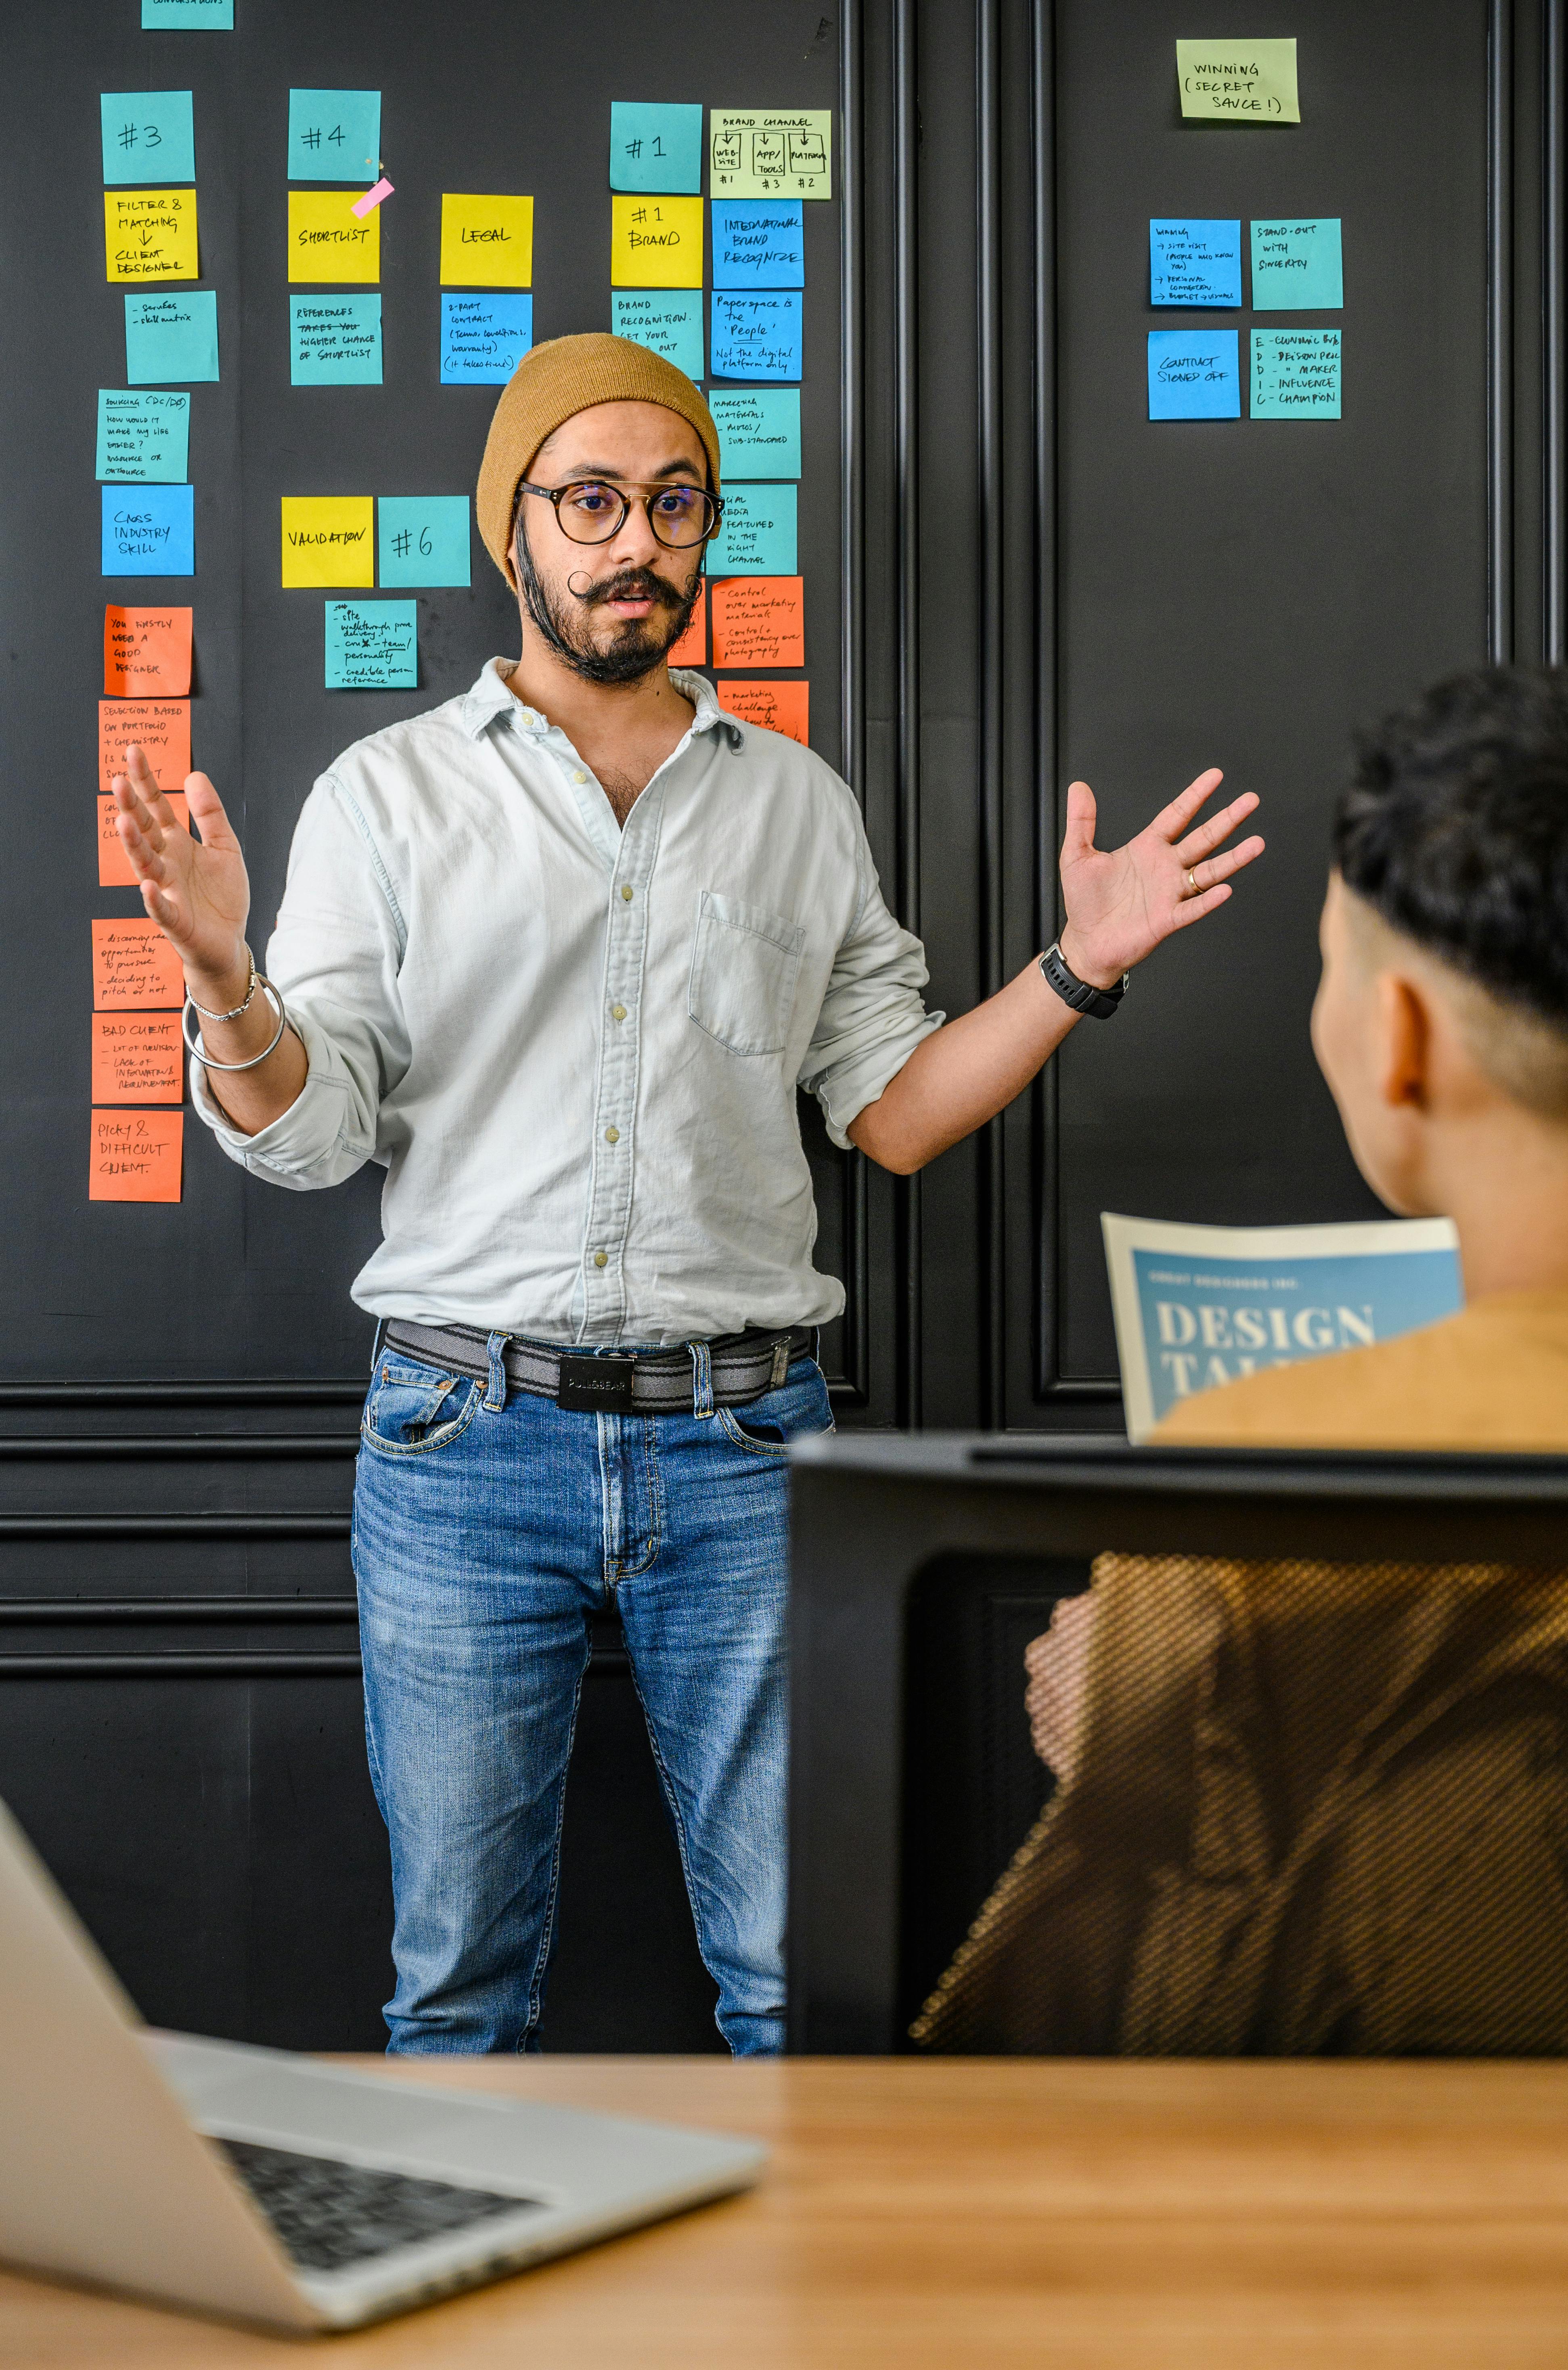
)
(196, 890)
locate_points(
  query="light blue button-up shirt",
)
(574, 1047)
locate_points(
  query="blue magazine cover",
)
(1196, 1307)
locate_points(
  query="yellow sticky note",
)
(487, 242)
(656, 243)
(328, 241)
(150, 234)
(1238, 81)
(328, 539)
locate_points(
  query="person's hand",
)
(1121, 902)
(196, 890)
(1057, 1664)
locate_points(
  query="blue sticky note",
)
(1296, 374)
(1298, 267)
(170, 337)
(1194, 375)
(667, 321)
(757, 336)
(143, 438)
(335, 341)
(149, 530)
(757, 538)
(759, 431)
(759, 244)
(423, 538)
(334, 135)
(372, 645)
(655, 146)
(188, 15)
(1195, 262)
(148, 136)
(483, 338)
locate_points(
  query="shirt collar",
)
(490, 697)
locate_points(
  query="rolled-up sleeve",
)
(872, 1016)
(334, 958)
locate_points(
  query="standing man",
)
(557, 956)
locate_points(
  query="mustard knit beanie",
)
(562, 377)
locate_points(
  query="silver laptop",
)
(255, 2183)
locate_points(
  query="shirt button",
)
(601, 1258)
(580, 776)
(626, 892)
(617, 1012)
(612, 1135)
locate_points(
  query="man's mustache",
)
(630, 584)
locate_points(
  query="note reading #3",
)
(136, 1156)
(148, 135)
(1238, 81)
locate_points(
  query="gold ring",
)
(1192, 888)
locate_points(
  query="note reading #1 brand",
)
(1296, 267)
(1194, 263)
(668, 324)
(1238, 82)
(655, 145)
(1296, 374)
(765, 152)
(483, 338)
(171, 338)
(487, 242)
(148, 136)
(327, 540)
(150, 234)
(328, 240)
(1194, 375)
(373, 645)
(656, 242)
(136, 1156)
(335, 341)
(142, 435)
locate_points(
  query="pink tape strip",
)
(362, 206)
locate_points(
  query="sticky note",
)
(1194, 375)
(171, 337)
(135, 968)
(136, 1154)
(483, 338)
(759, 431)
(143, 436)
(161, 727)
(148, 135)
(327, 242)
(756, 153)
(757, 536)
(145, 652)
(487, 242)
(335, 341)
(148, 531)
(691, 650)
(372, 645)
(777, 707)
(759, 621)
(670, 326)
(1195, 262)
(137, 1058)
(328, 539)
(757, 337)
(655, 145)
(656, 242)
(759, 244)
(1296, 374)
(423, 539)
(150, 234)
(115, 866)
(1238, 82)
(334, 135)
(1297, 266)
(188, 15)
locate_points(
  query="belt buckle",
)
(589, 1386)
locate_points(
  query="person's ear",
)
(1403, 1067)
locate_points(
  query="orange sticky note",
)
(136, 1156)
(114, 865)
(692, 648)
(146, 651)
(759, 621)
(781, 706)
(135, 968)
(161, 726)
(137, 1058)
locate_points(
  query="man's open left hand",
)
(1121, 902)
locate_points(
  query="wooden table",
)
(995, 2213)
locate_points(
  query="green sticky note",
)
(1296, 267)
(335, 341)
(1238, 82)
(334, 135)
(143, 436)
(188, 15)
(656, 147)
(668, 321)
(148, 136)
(1296, 374)
(373, 645)
(759, 431)
(423, 538)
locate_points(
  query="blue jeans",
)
(487, 1529)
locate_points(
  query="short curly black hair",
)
(1455, 829)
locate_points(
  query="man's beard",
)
(641, 643)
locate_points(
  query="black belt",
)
(648, 1382)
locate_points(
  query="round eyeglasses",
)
(591, 511)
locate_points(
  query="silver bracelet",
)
(274, 999)
(240, 1009)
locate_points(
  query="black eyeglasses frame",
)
(556, 495)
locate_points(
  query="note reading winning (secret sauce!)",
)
(763, 152)
(1238, 82)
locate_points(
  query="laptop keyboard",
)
(329, 2214)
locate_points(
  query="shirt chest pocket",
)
(744, 964)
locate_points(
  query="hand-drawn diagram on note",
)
(769, 152)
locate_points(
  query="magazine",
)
(1196, 1307)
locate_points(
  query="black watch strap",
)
(1100, 1003)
